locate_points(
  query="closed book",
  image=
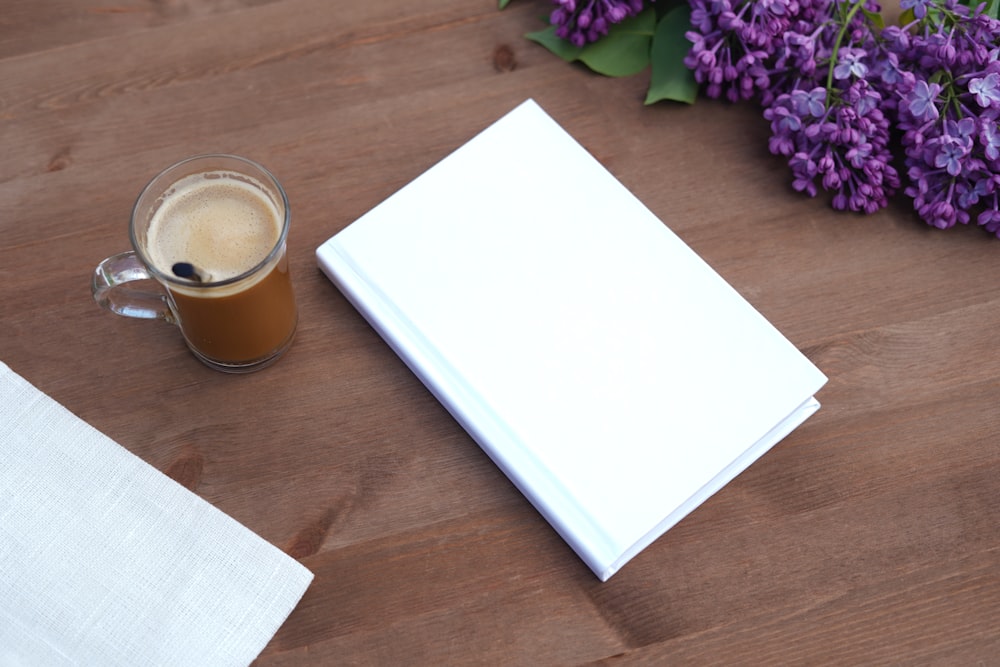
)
(608, 370)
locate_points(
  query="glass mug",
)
(211, 230)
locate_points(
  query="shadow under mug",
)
(236, 324)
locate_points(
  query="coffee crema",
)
(221, 223)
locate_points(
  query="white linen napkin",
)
(104, 560)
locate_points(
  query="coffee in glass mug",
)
(212, 231)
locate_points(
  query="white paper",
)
(106, 561)
(606, 368)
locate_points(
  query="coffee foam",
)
(219, 222)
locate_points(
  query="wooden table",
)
(870, 535)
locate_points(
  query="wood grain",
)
(868, 536)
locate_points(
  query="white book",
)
(611, 373)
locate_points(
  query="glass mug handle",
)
(112, 289)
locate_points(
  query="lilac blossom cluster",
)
(583, 21)
(948, 110)
(807, 62)
(843, 145)
(734, 43)
(836, 88)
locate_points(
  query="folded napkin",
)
(106, 561)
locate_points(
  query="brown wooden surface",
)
(870, 535)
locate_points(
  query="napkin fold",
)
(104, 560)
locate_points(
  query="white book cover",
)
(610, 372)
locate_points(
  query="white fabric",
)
(106, 561)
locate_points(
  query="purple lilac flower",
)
(836, 138)
(919, 7)
(949, 154)
(812, 45)
(922, 101)
(947, 112)
(989, 135)
(831, 83)
(732, 42)
(841, 147)
(851, 62)
(584, 21)
(990, 218)
(986, 89)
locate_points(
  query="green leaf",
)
(671, 79)
(622, 52)
(556, 45)
(663, 7)
(874, 18)
(503, 3)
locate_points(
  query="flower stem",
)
(836, 47)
